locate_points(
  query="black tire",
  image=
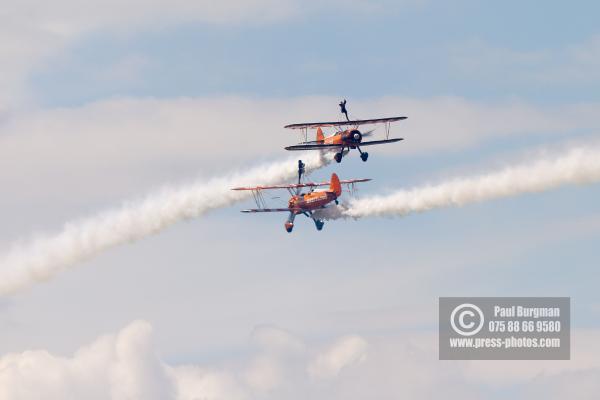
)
(338, 157)
(364, 156)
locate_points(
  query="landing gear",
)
(363, 155)
(289, 224)
(337, 203)
(319, 224)
(338, 157)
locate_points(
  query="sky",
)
(103, 103)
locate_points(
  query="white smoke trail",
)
(577, 166)
(43, 258)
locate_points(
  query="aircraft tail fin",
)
(335, 186)
(320, 136)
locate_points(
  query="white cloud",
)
(126, 366)
(121, 366)
(264, 374)
(278, 341)
(345, 352)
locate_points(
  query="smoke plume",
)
(577, 166)
(44, 257)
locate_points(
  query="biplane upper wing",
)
(344, 123)
(297, 185)
(291, 186)
(257, 210)
(372, 142)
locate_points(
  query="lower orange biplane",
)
(347, 136)
(302, 203)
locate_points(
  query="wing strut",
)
(259, 199)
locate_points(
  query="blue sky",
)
(410, 50)
(100, 106)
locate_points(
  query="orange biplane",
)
(302, 203)
(347, 136)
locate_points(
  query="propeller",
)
(279, 200)
(368, 133)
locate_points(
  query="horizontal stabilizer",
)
(257, 210)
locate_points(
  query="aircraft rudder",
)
(320, 136)
(335, 186)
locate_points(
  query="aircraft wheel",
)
(289, 226)
(338, 157)
(364, 156)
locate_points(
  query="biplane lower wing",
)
(256, 210)
(372, 142)
(316, 146)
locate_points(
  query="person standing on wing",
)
(344, 111)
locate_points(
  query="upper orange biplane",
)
(347, 136)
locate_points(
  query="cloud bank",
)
(125, 366)
(277, 364)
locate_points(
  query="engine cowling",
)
(356, 136)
